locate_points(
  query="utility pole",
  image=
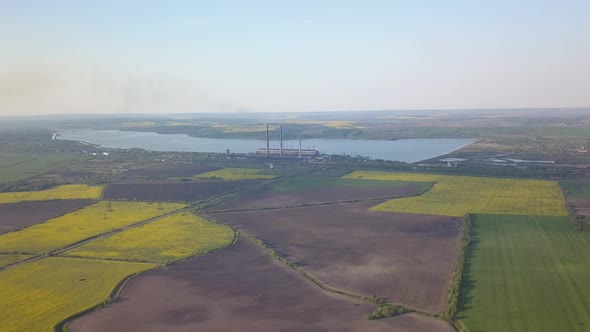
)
(267, 142)
(281, 129)
(299, 146)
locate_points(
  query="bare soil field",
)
(407, 258)
(273, 199)
(161, 171)
(190, 191)
(239, 288)
(14, 216)
(581, 205)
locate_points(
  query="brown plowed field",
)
(408, 258)
(581, 205)
(190, 191)
(273, 199)
(165, 170)
(18, 215)
(239, 288)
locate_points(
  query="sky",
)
(112, 56)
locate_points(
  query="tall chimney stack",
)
(299, 145)
(281, 128)
(267, 142)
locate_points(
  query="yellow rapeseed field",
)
(166, 240)
(37, 296)
(236, 174)
(84, 223)
(458, 195)
(69, 191)
(7, 259)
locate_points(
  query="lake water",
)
(408, 150)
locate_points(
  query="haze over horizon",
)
(89, 57)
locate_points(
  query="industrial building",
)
(288, 153)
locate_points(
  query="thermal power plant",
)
(296, 153)
(282, 152)
(281, 130)
(267, 142)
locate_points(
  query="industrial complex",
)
(287, 153)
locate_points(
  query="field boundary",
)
(455, 195)
(58, 251)
(255, 187)
(304, 205)
(116, 292)
(370, 298)
(457, 280)
(323, 203)
(62, 326)
(203, 201)
(229, 195)
(20, 162)
(278, 257)
(72, 159)
(108, 259)
(529, 255)
(579, 221)
(90, 202)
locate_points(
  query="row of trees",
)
(455, 288)
(25, 185)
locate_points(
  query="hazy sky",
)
(122, 56)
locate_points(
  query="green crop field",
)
(236, 174)
(527, 273)
(21, 166)
(162, 241)
(458, 195)
(320, 181)
(576, 188)
(70, 228)
(37, 296)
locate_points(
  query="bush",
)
(385, 310)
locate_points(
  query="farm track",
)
(19, 163)
(203, 205)
(380, 259)
(269, 297)
(213, 201)
(308, 276)
(241, 191)
(195, 207)
(115, 292)
(308, 205)
(322, 285)
(57, 252)
(384, 198)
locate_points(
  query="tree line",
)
(455, 288)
